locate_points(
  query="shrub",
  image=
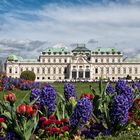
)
(28, 75)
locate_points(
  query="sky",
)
(29, 26)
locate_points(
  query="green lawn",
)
(23, 96)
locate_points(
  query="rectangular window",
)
(107, 60)
(107, 70)
(59, 70)
(96, 60)
(37, 70)
(43, 70)
(96, 70)
(113, 60)
(113, 70)
(48, 70)
(130, 70)
(65, 60)
(124, 70)
(32, 69)
(136, 70)
(54, 70)
(119, 71)
(59, 60)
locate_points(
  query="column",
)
(83, 73)
(77, 74)
(70, 74)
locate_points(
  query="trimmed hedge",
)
(28, 75)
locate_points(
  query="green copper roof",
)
(12, 57)
(28, 60)
(105, 50)
(56, 50)
(81, 49)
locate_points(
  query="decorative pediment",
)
(81, 60)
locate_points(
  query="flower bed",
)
(111, 112)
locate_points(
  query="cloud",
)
(111, 25)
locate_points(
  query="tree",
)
(128, 77)
(28, 75)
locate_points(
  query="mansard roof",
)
(106, 50)
(56, 50)
(81, 48)
(13, 57)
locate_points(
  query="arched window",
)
(15, 69)
(10, 70)
(21, 69)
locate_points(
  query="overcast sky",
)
(28, 26)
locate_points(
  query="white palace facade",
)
(59, 64)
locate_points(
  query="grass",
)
(23, 96)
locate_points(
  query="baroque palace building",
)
(81, 63)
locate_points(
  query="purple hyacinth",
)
(12, 136)
(137, 85)
(94, 131)
(123, 89)
(82, 112)
(35, 93)
(35, 84)
(119, 110)
(16, 82)
(49, 98)
(110, 89)
(120, 85)
(90, 134)
(69, 91)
